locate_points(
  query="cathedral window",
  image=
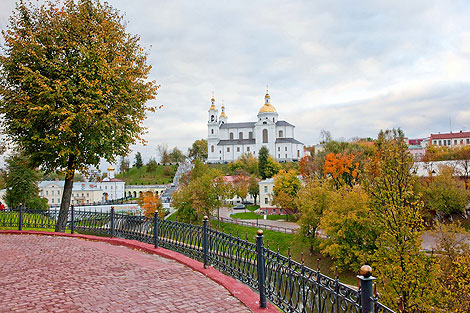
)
(231, 136)
(281, 134)
(240, 135)
(212, 148)
(250, 135)
(265, 135)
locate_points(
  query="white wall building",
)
(228, 141)
(82, 192)
(266, 196)
(112, 188)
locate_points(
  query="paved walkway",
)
(225, 213)
(59, 274)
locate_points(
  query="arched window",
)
(212, 131)
(240, 135)
(212, 148)
(212, 118)
(231, 136)
(265, 135)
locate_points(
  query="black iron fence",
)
(289, 285)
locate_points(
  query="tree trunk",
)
(66, 196)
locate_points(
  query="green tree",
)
(253, 187)
(202, 194)
(176, 155)
(151, 166)
(245, 162)
(21, 184)
(286, 187)
(73, 86)
(138, 160)
(198, 150)
(405, 272)
(263, 161)
(351, 234)
(444, 194)
(123, 165)
(313, 199)
(271, 168)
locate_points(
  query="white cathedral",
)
(228, 141)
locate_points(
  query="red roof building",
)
(451, 139)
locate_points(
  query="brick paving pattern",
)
(59, 274)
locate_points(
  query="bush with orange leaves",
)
(151, 203)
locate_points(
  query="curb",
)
(240, 291)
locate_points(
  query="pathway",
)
(59, 274)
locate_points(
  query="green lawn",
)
(139, 176)
(252, 208)
(253, 216)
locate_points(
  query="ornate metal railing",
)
(289, 285)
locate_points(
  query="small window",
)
(265, 188)
(212, 131)
(265, 135)
(265, 200)
(52, 201)
(248, 148)
(285, 148)
(273, 119)
(286, 155)
(47, 192)
(238, 149)
(448, 142)
(231, 136)
(468, 141)
(87, 194)
(440, 142)
(455, 141)
(212, 148)
(250, 135)
(240, 135)
(52, 192)
(281, 134)
(212, 118)
(228, 149)
(298, 153)
(220, 151)
(278, 148)
(58, 200)
(279, 156)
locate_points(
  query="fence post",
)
(20, 217)
(72, 222)
(367, 280)
(111, 222)
(261, 274)
(205, 242)
(155, 229)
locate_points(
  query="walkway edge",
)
(240, 291)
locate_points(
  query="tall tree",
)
(21, 183)
(138, 160)
(405, 271)
(176, 155)
(286, 187)
(253, 187)
(124, 165)
(263, 161)
(73, 86)
(198, 150)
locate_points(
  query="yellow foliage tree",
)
(151, 203)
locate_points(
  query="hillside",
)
(162, 174)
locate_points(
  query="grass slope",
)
(163, 174)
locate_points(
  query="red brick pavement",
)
(60, 274)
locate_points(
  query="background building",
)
(228, 141)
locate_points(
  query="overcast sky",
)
(350, 67)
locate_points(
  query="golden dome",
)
(212, 99)
(267, 96)
(223, 114)
(213, 108)
(110, 168)
(267, 107)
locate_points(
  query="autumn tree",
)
(240, 185)
(405, 272)
(201, 194)
(198, 150)
(313, 198)
(245, 162)
(286, 187)
(271, 168)
(253, 187)
(138, 160)
(341, 168)
(151, 203)
(351, 234)
(73, 86)
(307, 166)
